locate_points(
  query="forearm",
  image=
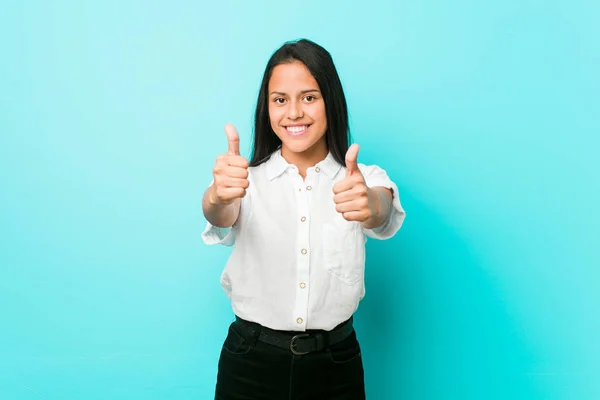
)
(381, 199)
(222, 216)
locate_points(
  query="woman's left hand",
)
(353, 198)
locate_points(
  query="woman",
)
(298, 215)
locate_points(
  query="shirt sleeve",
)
(376, 176)
(217, 235)
(225, 236)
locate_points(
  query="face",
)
(297, 110)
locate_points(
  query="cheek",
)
(320, 116)
(274, 117)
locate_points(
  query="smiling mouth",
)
(296, 130)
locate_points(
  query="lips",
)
(296, 130)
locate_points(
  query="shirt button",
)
(304, 251)
(309, 188)
(318, 169)
(302, 285)
(303, 219)
(299, 320)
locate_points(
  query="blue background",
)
(486, 114)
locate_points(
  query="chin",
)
(297, 147)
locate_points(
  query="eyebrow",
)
(302, 92)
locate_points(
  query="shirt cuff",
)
(217, 235)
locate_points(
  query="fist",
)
(230, 172)
(352, 198)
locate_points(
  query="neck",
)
(306, 159)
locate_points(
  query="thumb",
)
(233, 140)
(351, 157)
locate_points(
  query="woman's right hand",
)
(230, 172)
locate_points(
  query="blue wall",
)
(486, 115)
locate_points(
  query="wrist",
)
(380, 201)
(374, 208)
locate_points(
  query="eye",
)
(279, 100)
(309, 98)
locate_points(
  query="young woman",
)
(298, 214)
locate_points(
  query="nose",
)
(295, 110)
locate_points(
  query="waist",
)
(297, 342)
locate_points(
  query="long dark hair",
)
(321, 66)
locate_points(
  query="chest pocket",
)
(344, 250)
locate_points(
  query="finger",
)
(349, 183)
(227, 194)
(359, 216)
(360, 203)
(235, 183)
(346, 207)
(351, 160)
(233, 140)
(342, 186)
(343, 197)
(237, 161)
(236, 172)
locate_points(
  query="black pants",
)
(253, 370)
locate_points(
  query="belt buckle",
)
(293, 345)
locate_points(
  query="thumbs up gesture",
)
(353, 199)
(230, 172)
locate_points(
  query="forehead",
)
(291, 77)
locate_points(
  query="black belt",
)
(298, 343)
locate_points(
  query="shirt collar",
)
(277, 165)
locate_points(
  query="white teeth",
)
(297, 129)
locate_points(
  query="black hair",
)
(321, 66)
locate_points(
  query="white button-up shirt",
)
(296, 263)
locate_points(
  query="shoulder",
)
(375, 175)
(260, 173)
(371, 169)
